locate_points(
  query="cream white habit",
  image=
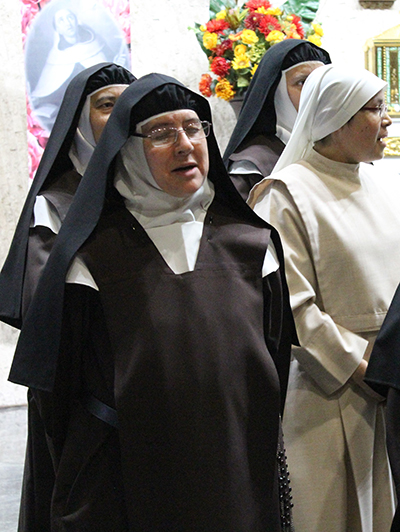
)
(340, 228)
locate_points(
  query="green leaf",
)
(199, 37)
(219, 5)
(306, 9)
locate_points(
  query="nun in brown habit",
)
(157, 344)
(269, 111)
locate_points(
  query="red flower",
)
(299, 26)
(253, 5)
(220, 66)
(268, 24)
(28, 13)
(220, 49)
(205, 85)
(217, 26)
(252, 21)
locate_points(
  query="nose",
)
(183, 144)
(386, 120)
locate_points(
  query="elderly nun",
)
(158, 341)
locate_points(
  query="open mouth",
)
(185, 168)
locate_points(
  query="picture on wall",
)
(62, 38)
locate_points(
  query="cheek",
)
(294, 95)
(155, 162)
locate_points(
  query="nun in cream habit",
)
(339, 221)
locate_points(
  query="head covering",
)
(37, 349)
(84, 143)
(258, 115)
(150, 205)
(330, 97)
(55, 161)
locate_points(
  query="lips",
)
(383, 140)
(185, 167)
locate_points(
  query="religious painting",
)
(61, 38)
(382, 57)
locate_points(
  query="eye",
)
(193, 129)
(161, 135)
(105, 105)
(300, 82)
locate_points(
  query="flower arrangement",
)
(236, 38)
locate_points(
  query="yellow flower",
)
(241, 61)
(210, 40)
(289, 18)
(253, 70)
(315, 39)
(262, 10)
(318, 29)
(203, 28)
(249, 37)
(221, 15)
(240, 49)
(274, 11)
(275, 36)
(224, 90)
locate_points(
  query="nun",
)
(338, 218)
(269, 111)
(87, 104)
(157, 344)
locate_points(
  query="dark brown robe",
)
(184, 360)
(263, 152)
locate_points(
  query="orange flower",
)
(224, 90)
(236, 37)
(205, 85)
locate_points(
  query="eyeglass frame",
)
(382, 108)
(204, 124)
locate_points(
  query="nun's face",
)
(101, 105)
(178, 169)
(361, 139)
(295, 78)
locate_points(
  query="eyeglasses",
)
(381, 109)
(166, 136)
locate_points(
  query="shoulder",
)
(262, 151)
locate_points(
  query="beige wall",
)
(160, 42)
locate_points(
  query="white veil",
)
(330, 97)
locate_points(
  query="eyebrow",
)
(103, 99)
(172, 124)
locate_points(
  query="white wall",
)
(161, 42)
(13, 166)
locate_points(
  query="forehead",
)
(377, 99)
(304, 69)
(107, 92)
(172, 118)
(64, 13)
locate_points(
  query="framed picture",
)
(61, 38)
